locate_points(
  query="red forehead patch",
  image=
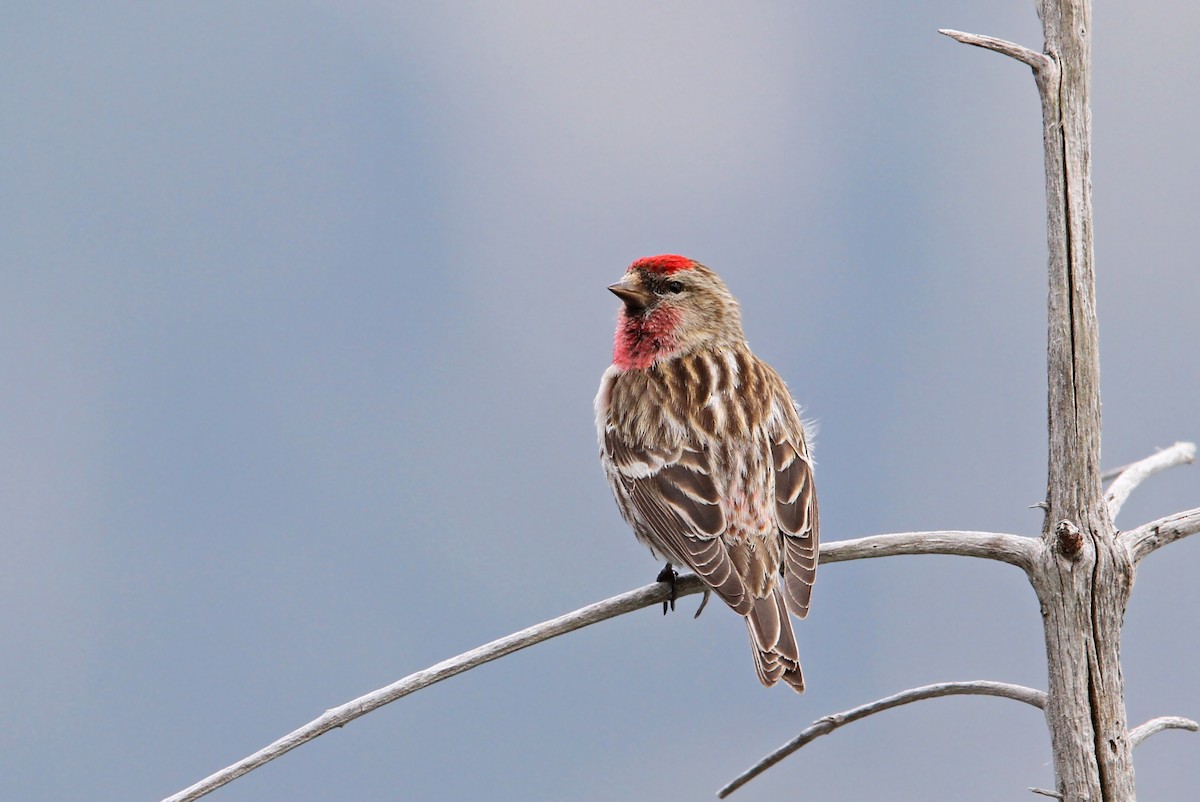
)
(665, 263)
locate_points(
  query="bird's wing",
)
(673, 494)
(795, 505)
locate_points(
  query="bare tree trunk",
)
(1083, 575)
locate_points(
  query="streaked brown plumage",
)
(706, 453)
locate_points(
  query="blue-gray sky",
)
(302, 311)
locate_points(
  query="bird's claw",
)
(668, 575)
(703, 602)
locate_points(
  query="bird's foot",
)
(703, 602)
(668, 575)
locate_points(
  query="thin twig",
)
(1113, 473)
(1140, 471)
(1141, 733)
(1044, 792)
(827, 724)
(1006, 548)
(1038, 61)
(1150, 537)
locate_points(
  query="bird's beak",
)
(635, 298)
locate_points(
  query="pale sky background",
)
(302, 311)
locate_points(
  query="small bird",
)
(706, 453)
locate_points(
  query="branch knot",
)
(1068, 540)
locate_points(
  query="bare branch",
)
(1156, 534)
(1044, 792)
(1139, 734)
(827, 724)
(1006, 548)
(1038, 61)
(1012, 549)
(1140, 471)
(340, 716)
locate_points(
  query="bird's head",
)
(672, 306)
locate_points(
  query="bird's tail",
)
(773, 642)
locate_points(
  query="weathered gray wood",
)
(1144, 731)
(1083, 585)
(1038, 61)
(991, 545)
(1083, 573)
(1015, 550)
(827, 724)
(336, 717)
(1154, 535)
(1133, 475)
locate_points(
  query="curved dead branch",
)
(1006, 548)
(1133, 475)
(1012, 549)
(1150, 537)
(1139, 734)
(827, 724)
(340, 716)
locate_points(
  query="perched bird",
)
(706, 453)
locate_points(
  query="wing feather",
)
(795, 507)
(673, 493)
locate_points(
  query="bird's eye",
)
(675, 287)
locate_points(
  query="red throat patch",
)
(640, 340)
(664, 263)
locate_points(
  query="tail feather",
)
(773, 643)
